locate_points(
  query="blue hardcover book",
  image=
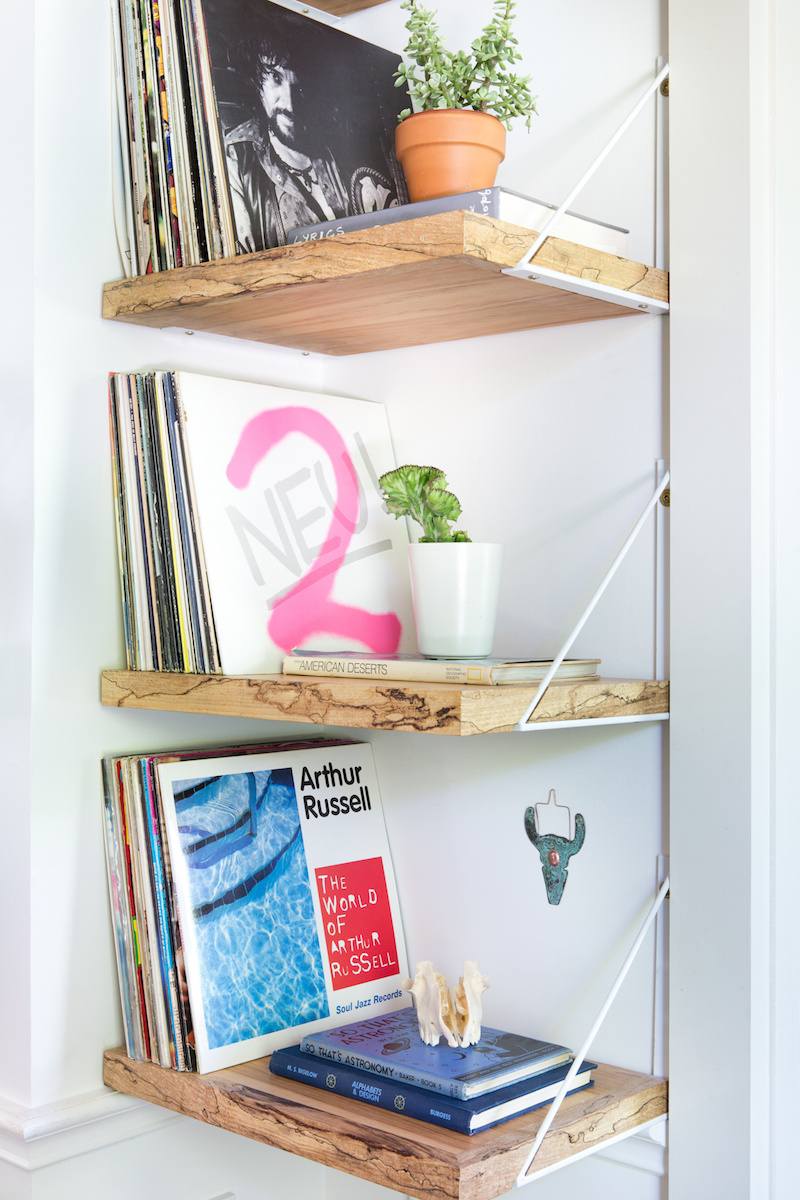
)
(390, 1046)
(463, 1116)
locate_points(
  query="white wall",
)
(550, 440)
(784, 1050)
(16, 547)
(735, 579)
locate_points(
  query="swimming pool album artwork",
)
(287, 901)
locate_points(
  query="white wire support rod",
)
(584, 179)
(552, 1112)
(587, 722)
(522, 724)
(588, 287)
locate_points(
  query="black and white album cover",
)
(307, 115)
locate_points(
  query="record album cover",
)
(306, 115)
(298, 547)
(288, 907)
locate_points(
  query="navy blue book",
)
(463, 1116)
(390, 1046)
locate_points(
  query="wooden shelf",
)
(385, 1147)
(421, 707)
(434, 279)
(340, 8)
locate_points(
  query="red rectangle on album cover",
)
(357, 919)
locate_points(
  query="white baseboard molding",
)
(644, 1152)
(38, 1137)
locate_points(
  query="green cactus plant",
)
(481, 78)
(421, 493)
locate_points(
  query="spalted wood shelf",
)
(433, 279)
(385, 1147)
(421, 707)
(340, 8)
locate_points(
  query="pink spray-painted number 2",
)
(308, 609)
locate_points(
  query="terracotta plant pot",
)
(444, 151)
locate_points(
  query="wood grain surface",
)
(385, 1147)
(340, 8)
(436, 278)
(356, 704)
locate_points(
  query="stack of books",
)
(383, 1061)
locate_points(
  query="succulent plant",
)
(481, 78)
(421, 493)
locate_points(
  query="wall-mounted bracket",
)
(588, 287)
(523, 1177)
(593, 722)
(524, 724)
(311, 10)
(550, 224)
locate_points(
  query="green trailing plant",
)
(481, 78)
(421, 493)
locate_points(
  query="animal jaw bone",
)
(469, 1006)
(431, 997)
(438, 1016)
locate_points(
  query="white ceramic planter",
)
(455, 587)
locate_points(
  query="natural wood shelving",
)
(434, 279)
(385, 1147)
(340, 8)
(421, 707)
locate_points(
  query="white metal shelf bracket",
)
(588, 287)
(524, 725)
(544, 1128)
(567, 282)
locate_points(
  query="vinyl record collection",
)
(155, 1010)
(177, 204)
(248, 521)
(166, 605)
(149, 931)
(218, 880)
(241, 119)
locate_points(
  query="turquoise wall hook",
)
(554, 851)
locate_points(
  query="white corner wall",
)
(550, 439)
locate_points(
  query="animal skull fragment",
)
(438, 1015)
